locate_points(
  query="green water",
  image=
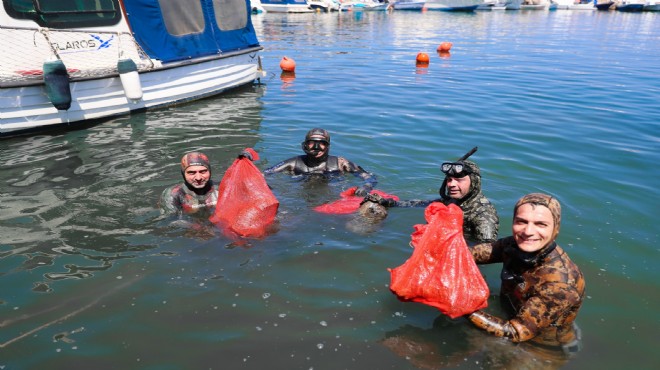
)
(93, 276)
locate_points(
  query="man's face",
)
(458, 187)
(197, 176)
(533, 226)
(316, 148)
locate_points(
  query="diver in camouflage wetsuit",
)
(461, 186)
(197, 193)
(541, 286)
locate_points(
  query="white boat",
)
(534, 5)
(630, 5)
(575, 4)
(256, 7)
(365, 5)
(513, 4)
(652, 6)
(286, 6)
(453, 5)
(324, 5)
(409, 4)
(68, 62)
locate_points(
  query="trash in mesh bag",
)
(441, 271)
(246, 206)
(349, 202)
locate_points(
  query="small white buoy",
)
(130, 79)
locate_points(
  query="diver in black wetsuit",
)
(318, 161)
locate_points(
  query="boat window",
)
(65, 13)
(230, 14)
(182, 17)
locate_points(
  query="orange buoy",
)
(423, 58)
(445, 47)
(288, 64)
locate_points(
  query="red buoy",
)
(423, 58)
(288, 64)
(445, 47)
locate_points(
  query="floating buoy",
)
(130, 79)
(288, 64)
(423, 58)
(56, 80)
(445, 47)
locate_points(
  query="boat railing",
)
(85, 53)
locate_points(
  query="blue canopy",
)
(172, 30)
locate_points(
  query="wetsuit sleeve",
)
(545, 307)
(414, 203)
(537, 313)
(287, 165)
(370, 179)
(169, 201)
(493, 325)
(485, 253)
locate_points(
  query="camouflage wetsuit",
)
(480, 220)
(545, 293)
(181, 199)
(544, 288)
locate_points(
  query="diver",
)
(317, 160)
(197, 193)
(541, 286)
(461, 186)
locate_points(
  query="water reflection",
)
(91, 195)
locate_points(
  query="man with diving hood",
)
(542, 289)
(197, 192)
(461, 186)
(317, 160)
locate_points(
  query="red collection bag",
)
(349, 202)
(441, 271)
(246, 206)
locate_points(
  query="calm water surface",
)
(93, 276)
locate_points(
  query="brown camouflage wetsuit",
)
(545, 291)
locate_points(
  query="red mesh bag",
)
(441, 271)
(349, 202)
(246, 206)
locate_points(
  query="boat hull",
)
(27, 108)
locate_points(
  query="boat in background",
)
(534, 5)
(64, 63)
(286, 6)
(652, 6)
(256, 7)
(453, 5)
(409, 4)
(513, 4)
(630, 6)
(604, 5)
(324, 5)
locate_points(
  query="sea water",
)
(564, 102)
